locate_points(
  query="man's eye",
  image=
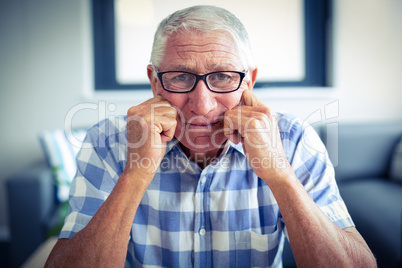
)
(181, 78)
(222, 77)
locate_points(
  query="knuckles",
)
(265, 110)
(155, 106)
(153, 116)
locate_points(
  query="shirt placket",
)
(202, 230)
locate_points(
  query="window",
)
(289, 39)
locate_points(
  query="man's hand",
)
(103, 242)
(150, 126)
(255, 126)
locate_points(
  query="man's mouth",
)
(203, 124)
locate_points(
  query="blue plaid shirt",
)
(222, 215)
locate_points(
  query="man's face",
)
(200, 112)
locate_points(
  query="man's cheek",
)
(175, 99)
(236, 100)
(157, 89)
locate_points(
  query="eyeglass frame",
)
(201, 77)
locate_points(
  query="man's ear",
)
(152, 79)
(253, 78)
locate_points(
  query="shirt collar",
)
(171, 144)
(238, 147)
(174, 143)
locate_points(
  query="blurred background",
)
(45, 72)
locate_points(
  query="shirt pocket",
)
(256, 250)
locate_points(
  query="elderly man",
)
(204, 174)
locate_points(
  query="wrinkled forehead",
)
(216, 49)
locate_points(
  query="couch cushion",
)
(396, 163)
(376, 208)
(363, 150)
(60, 149)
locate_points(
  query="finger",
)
(144, 108)
(234, 137)
(169, 129)
(166, 127)
(249, 99)
(157, 100)
(250, 110)
(230, 130)
(238, 126)
(167, 111)
(164, 119)
(240, 117)
(157, 103)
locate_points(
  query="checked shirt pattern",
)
(219, 216)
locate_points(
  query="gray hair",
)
(202, 19)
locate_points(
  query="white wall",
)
(368, 59)
(42, 73)
(40, 77)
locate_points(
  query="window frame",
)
(317, 22)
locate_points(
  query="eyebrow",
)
(183, 68)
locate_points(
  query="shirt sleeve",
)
(309, 159)
(97, 172)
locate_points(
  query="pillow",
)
(60, 150)
(396, 163)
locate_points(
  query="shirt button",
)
(203, 180)
(202, 232)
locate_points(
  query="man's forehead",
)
(212, 66)
(214, 41)
(201, 52)
(209, 58)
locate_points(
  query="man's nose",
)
(201, 99)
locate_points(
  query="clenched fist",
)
(150, 126)
(255, 126)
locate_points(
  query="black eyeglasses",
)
(183, 82)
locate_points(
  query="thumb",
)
(249, 99)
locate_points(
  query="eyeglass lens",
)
(217, 81)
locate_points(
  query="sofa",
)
(369, 176)
(367, 164)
